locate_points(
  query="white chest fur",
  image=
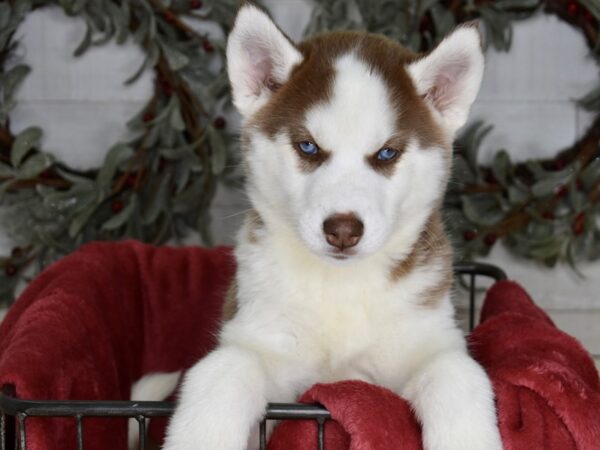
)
(335, 322)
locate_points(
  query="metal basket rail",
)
(14, 412)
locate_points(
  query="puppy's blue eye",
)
(308, 148)
(386, 154)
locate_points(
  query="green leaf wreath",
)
(159, 185)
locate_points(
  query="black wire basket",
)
(14, 412)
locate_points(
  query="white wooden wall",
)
(527, 93)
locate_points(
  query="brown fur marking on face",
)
(432, 248)
(311, 83)
(230, 306)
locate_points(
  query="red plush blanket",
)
(99, 319)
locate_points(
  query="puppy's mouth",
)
(341, 255)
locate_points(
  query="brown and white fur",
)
(376, 307)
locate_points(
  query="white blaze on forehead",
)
(358, 117)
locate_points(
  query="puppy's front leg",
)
(453, 399)
(222, 398)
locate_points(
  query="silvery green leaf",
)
(218, 150)
(25, 141)
(548, 181)
(176, 119)
(168, 135)
(153, 136)
(470, 141)
(218, 85)
(120, 20)
(175, 59)
(577, 199)
(116, 155)
(517, 196)
(12, 79)
(482, 209)
(118, 220)
(108, 32)
(498, 29)
(150, 60)
(6, 170)
(85, 42)
(164, 113)
(512, 4)
(443, 20)
(203, 227)
(81, 219)
(174, 154)
(545, 186)
(5, 12)
(5, 186)
(137, 123)
(139, 36)
(423, 6)
(592, 6)
(75, 179)
(188, 199)
(21, 8)
(34, 165)
(536, 169)
(151, 27)
(157, 202)
(77, 6)
(462, 173)
(76, 199)
(591, 174)
(6, 33)
(591, 101)
(97, 16)
(182, 176)
(501, 167)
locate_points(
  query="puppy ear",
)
(259, 59)
(449, 77)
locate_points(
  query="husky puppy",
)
(344, 271)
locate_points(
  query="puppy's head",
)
(347, 136)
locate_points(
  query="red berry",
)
(573, 8)
(148, 117)
(48, 173)
(578, 225)
(589, 17)
(425, 23)
(560, 191)
(469, 235)
(559, 164)
(490, 239)
(219, 123)
(549, 215)
(490, 178)
(170, 17)
(117, 206)
(208, 47)
(130, 180)
(195, 4)
(167, 89)
(10, 270)
(16, 252)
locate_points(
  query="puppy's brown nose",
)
(343, 230)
